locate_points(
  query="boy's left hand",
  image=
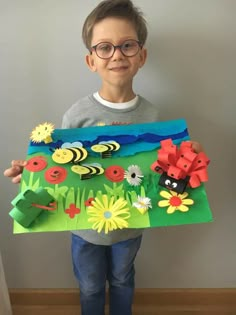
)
(196, 146)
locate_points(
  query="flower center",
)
(107, 214)
(142, 204)
(175, 201)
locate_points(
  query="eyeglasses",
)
(128, 48)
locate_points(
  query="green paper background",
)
(76, 191)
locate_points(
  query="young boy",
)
(114, 33)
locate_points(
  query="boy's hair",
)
(115, 8)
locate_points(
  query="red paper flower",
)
(72, 210)
(55, 175)
(88, 202)
(115, 173)
(36, 164)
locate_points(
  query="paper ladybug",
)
(180, 167)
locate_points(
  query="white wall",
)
(190, 73)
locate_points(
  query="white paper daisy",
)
(134, 175)
(142, 204)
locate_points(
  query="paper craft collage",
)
(111, 177)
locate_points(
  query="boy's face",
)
(119, 70)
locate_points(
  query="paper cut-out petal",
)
(167, 194)
(163, 203)
(171, 209)
(183, 208)
(188, 201)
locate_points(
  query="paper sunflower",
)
(42, 133)
(175, 201)
(106, 213)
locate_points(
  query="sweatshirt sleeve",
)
(65, 121)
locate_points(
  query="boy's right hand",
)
(15, 170)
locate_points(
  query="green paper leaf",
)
(36, 184)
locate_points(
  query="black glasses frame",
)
(121, 47)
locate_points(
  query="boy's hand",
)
(15, 170)
(196, 146)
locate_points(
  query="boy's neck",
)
(117, 95)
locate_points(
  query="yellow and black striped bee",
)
(86, 171)
(73, 155)
(106, 148)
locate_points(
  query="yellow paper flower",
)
(42, 133)
(108, 214)
(175, 201)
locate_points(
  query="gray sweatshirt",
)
(89, 112)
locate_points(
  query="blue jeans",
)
(96, 264)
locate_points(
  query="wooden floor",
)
(146, 302)
(74, 310)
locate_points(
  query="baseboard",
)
(219, 298)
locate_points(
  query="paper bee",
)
(69, 153)
(86, 171)
(105, 148)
